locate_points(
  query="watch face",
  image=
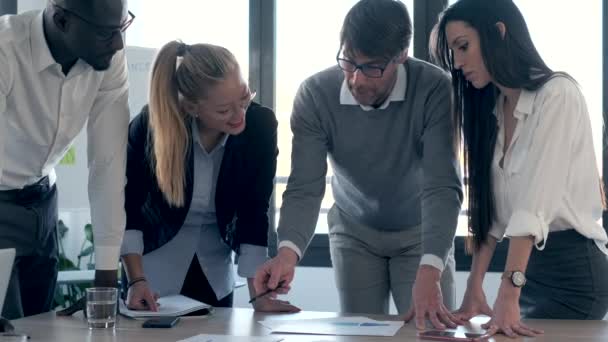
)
(518, 278)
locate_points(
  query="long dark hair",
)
(512, 62)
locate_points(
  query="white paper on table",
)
(227, 338)
(275, 323)
(176, 305)
(347, 326)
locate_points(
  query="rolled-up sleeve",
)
(497, 231)
(526, 223)
(107, 142)
(544, 172)
(250, 258)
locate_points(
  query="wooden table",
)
(243, 322)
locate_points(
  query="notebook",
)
(175, 305)
(7, 257)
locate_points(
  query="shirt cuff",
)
(132, 243)
(525, 223)
(250, 258)
(497, 232)
(291, 246)
(432, 260)
(106, 257)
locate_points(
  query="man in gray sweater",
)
(384, 121)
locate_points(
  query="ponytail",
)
(168, 125)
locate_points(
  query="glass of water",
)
(101, 307)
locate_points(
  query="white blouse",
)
(549, 180)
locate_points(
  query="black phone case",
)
(161, 322)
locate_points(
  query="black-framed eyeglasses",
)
(104, 33)
(369, 70)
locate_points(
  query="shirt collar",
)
(397, 94)
(524, 107)
(197, 137)
(41, 54)
(525, 104)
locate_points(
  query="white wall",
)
(314, 289)
(28, 5)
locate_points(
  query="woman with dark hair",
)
(531, 167)
(200, 170)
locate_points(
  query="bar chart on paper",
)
(227, 338)
(345, 326)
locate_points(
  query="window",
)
(224, 23)
(303, 49)
(575, 48)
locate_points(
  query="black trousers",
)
(28, 223)
(566, 280)
(196, 286)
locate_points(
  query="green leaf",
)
(88, 231)
(66, 264)
(59, 298)
(69, 158)
(86, 252)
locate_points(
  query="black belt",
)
(29, 193)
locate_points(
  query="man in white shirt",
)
(60, 68)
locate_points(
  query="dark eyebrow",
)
(371, 62)
(456, 40)
(375, 61)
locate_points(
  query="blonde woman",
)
(200, 169)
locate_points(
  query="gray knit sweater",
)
(394, 168)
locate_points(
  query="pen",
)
(266, 292)
(11, 334)
(145, 302)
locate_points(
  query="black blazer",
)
(244, 184)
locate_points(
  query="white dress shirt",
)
(549, 179)
(41, 113)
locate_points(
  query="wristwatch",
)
(518, 278)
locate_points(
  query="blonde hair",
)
(201, 67)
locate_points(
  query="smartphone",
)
(443, 335)
(201, 312)
(161, 322)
